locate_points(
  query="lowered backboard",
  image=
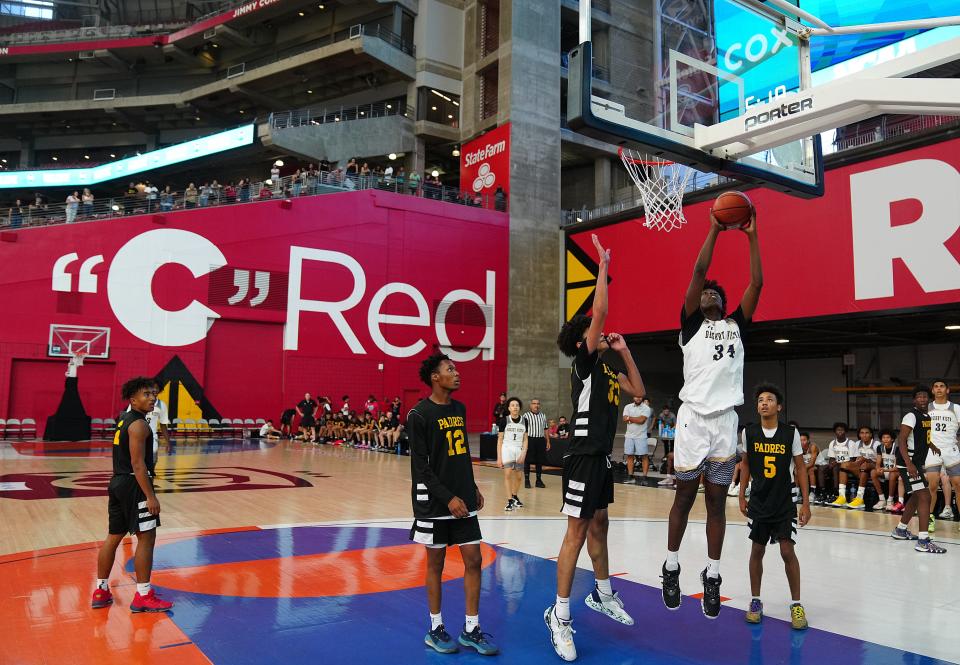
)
(646, 81)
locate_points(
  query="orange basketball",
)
(732, 209)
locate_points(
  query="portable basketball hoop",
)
(76, 360)
(662, 184)
(77, 343)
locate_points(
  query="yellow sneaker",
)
(841, 501)
(857, 504)
(798, 618)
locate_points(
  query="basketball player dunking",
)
(446, 500)
(133, 506)
(587, 475)
(706, 439)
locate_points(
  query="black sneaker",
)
(711, 595)
(540, 484)
(526, 483)
(670, 587)
(517, 502)
(510, 506)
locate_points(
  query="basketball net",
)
(76, 360)
(661, 184)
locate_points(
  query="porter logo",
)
(778, 113)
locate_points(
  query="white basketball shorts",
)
(511, 457)
(701, 439)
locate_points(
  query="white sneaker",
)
(668, 480)
(612, 606)
(747, 493)
(880, 505)
(734, 490)
(947, 513)
(561, 634)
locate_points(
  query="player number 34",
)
(720, 351)
(455, 444)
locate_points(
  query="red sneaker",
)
(896, 509)
(149, 603)
(101, 598)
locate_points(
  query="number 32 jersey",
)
(712, 362)
(595, 391)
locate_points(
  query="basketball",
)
(732, 209)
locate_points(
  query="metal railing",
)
(32, 214)
(700, 181)
(320, 116)
(89, 33)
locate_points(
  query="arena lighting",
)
(115, 208)
(456, 152)
(279, 162)
(950, 327)
(782, 340)
(309, 92)
(112, 155)
(129, 166)
(301, 14)
(86, 156)
(56, 159)
(392, 156)
(435, 173)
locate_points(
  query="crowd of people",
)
(376, 426)
(145, 196)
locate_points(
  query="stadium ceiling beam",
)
(133, 121)
(265, 101)
(110, 59)
(233, 35)
(178, 53)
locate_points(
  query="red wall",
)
(158, 309)
(884, 237)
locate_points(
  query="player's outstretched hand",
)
(715, 226)
(750, 228)
(744, 506)
(804, 514)
(457, 507)
(602, 254)
(479, 500)
(615, 340)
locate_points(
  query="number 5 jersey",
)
(440, 463)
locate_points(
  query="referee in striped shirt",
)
(537, 446)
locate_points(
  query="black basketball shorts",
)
(308, 421)
(127, 507)
(587, 485)
(911, 485)
(446, 532)
(764, 532)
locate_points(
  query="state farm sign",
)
(485, 163)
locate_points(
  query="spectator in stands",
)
(73, 202)
(297, 182)
(15, 215)
(244, 190)
(230, 193)
(666, 423)
(364, 176)
(388, 176)
(130, 197)
(38, 209)
(810, 453)
(401, 179)
(216, 192)
(395, 407)
(268, 432)
(275, 175)
(386, 431)
(353, 169)
(413, 183)
(345, 407)
(371, 406)
(310, 179)
(167, 199)
(150, 192)
(87, 199)
(563, 428)
(190, 196)
(500, 200)
(265, 191)
(553, 429)
(500, 412)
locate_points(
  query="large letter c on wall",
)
(130, 281)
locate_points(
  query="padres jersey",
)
(918, 441)
(440, 463)
(595, 391)
(712, 361)
(513, 432)
(122, 462)
(770, 459)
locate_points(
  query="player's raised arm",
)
(631, 381)
(692, 301)
(748, 304)
(599, 310)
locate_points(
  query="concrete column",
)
(530, 98)
(151, 142)
(416, 160)
(601, 181)
(26, 153)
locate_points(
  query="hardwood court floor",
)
(302, 542)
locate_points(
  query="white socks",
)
(673, 560)
(713, 567)
(470, 623)
(143, 589)
(562, 608)
(603, 586)
(103, 584)
(860, 491)
(436, 620)
(843, 490)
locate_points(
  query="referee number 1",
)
(455, 444)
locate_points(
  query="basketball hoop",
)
(76, 360)
(662, 184)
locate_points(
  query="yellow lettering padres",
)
(450, 422)
(770, 448)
